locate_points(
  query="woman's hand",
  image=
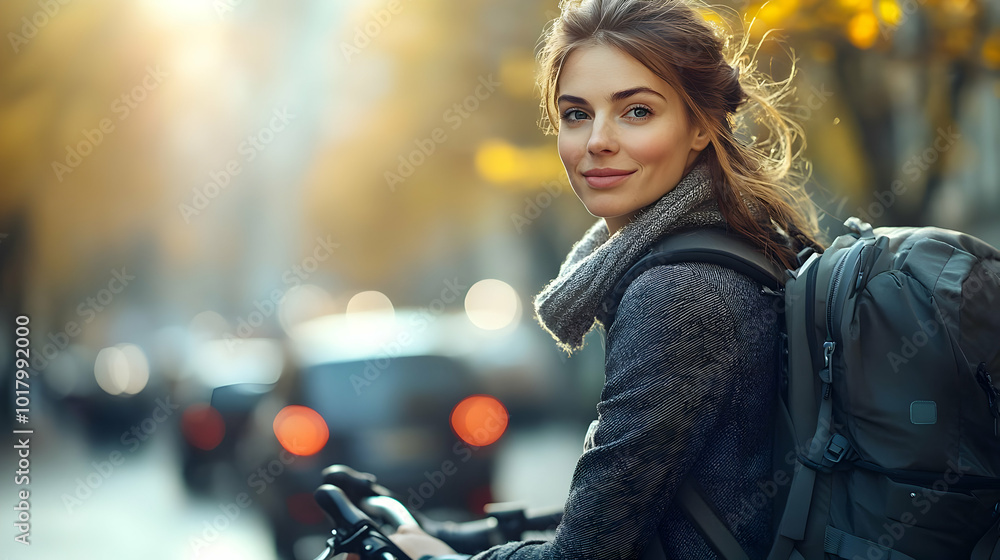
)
(412, 540)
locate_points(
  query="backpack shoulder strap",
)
(713, 246)
(706, 245)
(708, 522)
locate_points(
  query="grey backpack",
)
(887, 441)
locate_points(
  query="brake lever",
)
(361, 485)
(354, 531)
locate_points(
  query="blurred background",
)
(257, 238)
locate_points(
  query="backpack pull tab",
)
(986, 382)
(859, 227)
(826, 374)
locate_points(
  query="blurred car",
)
(375, 391)
(219, 391)
(371, 391)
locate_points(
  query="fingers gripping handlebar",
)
(356, 485)
(356, 532)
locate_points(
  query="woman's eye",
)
(574, 115)
(639, 112)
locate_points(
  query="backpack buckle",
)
(836, 449)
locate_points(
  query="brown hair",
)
(673, 40)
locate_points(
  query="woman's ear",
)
(700, 140)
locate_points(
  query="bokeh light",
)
(492, 304)
(121, 369)
(370, 302)
(863, 30)
(889, 12)
(202, 426)
(301, 430)
(479, 420)
(504, 163)
(138, 369)
(111, 370)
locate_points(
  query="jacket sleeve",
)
(669, 371)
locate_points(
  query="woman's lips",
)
(606, 181)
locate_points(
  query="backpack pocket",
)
(878, 513)
(897, 393)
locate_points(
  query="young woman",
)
(647, 106)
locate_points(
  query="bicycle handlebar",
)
(354, 531)
(355, 484)
(344, 487)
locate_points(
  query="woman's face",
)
(624, 135)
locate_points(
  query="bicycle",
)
(364, 513)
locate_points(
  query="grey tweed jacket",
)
(690, 362)
(690, 375)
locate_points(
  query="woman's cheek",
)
(653, 145)
(569, 149)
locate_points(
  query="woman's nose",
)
(603, 137)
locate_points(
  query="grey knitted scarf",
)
(568, 306)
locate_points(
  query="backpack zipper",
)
(829, 346)
(986, 382)
(811, 314)
(837, 273)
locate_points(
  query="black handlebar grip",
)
(357, 485)
(338, 507)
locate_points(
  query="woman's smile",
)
(605, 178)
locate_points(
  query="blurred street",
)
(246, 240)
(140, 508)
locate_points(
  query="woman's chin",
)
(606, 211)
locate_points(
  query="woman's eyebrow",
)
(572, 99)
(626, 93)
(616, 96)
